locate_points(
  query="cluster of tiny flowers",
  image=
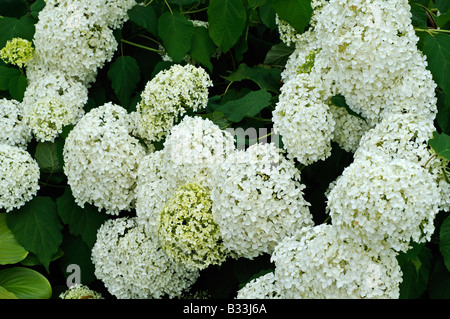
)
(262, 287)
(73, 39)
(132, 265)
(18, 52)
(79, 291)
(168, 96)
(258, 200)
(13, 129)
(192, 151)
(381, 200)
(19, 177)
(102, 158)
(52, 101)
(318, 262)
(187, 230)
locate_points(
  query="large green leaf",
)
(5, 294)
(296, 12)
(439, 287)
(278, 54)
(25, 283)
(17, 86)
(176, 32)
(144, 16)
(16, 28)
(77, 252)
(227, 20)
(249, 105)
(6, 75)
(437, 50)
(11, 251)
(202, 47)
(82, 222)
(13, 8)
(37, 227)
(124, 75)
(440, 143)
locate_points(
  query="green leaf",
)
(25, 283)
(266, 77)
(442, 5)
(124, 75)
(227, 20)
(202, 47)
(5, 294)
(6, 75)
(11, 251)
(296, 12)
(36, 7)
(176, 33)
(13, 8)
(17, 86)
(443, 19)
(249, 105)
(278, 54)
(268, 16)
(339, 101)
(440, 143)
(183, 2)
(144, 16)
(37, 228)
(82, 222)
(439, 287)
(47, 157)
(419, 16)
(437, 50)
(416, 268)
(16, 28)
(444, 243)
(77, 252)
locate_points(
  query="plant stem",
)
(141, 46)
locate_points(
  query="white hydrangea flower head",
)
(17, 51)
(19, 177)
(168, 96)
(303, 120)
(192, 153)
(187, 230)
(258, 200)
(79, 291)
(385, 201)
(348, 129)
(52, 101)
(70, 37)
(132, 265)
(371, 46)
(318, 263)
(262, 287)
(14, 130)
(101, 159)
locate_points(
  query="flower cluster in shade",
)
(388, 197)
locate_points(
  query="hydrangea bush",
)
(225, 149)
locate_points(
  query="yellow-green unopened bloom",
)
(188, 231)
(17, 51)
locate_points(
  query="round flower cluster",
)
(187, 230)
(319, 262)
(13, 129)
(258, 200)
(169, 95)
(102, 158)
(80, 291)
(19, 177)
(130, 262)
(380, 200)
(52, 101)
(192, 151)
(18, 52)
